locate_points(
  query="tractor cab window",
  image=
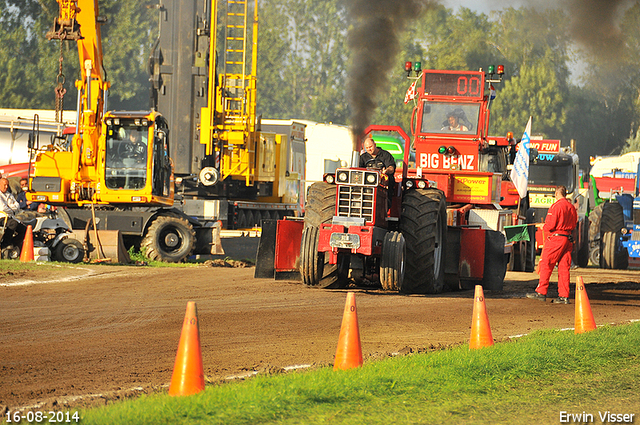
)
(449, 117)
(493, 161)
(552, 175)
(126, 157)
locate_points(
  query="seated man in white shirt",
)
(15, 230)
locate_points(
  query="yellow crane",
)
(204, 75)
(228, 122)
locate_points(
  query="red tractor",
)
(350, 233)
(444, 226)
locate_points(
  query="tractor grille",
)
(356, 201)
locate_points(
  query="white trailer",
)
(329, 146)
(15, 126)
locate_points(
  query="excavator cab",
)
(132, 165)
(136, 157)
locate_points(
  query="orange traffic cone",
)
(480, 329)
(188, 374)
(584, 316)
(27, 246)
(349, 352)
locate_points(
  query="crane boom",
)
(78, 20)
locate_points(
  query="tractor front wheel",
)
(314, 266)
(69, 250)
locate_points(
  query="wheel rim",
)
(594, 256)
(70, 252)
(171, 240)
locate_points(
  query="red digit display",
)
(462, 85)
(454, 84)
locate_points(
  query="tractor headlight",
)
(409, 184)
(343, 176)
(371, 178)
(422, 184)
(329, 179)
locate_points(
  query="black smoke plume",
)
(375, 26)
(594, 26)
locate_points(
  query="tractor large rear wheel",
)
(424, 225)
(321, 204)
(583, 250)
(320, 208)
(612, 254)
(595, 216)
(169, 239)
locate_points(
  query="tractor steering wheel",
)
(375, 164)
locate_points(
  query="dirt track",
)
(114, 330)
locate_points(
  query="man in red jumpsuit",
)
(561, 219)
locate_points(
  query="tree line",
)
(304, 61)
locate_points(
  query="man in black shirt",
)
(375, 157)
(378, 158)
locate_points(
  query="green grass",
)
(526, 381)
(139, 258)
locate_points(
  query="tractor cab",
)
(450, 123)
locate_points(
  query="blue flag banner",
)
(520, 171)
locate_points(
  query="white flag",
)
(520, 170)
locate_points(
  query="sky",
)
(484, 6)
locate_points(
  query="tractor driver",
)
(378, 158)
(453, 123)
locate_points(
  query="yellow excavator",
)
(116, 174)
